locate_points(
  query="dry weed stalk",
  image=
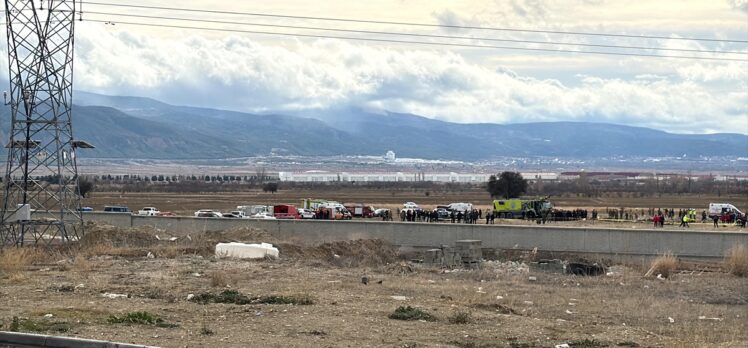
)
(220, 279)
(13, 261)
(664, 265)
(737, 260)
(81, 263)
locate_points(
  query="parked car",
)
(116, 209)
(263, 216)
(306, 214)
(442, 213)
(231, 215)
(410, 205)
(207, 213)
(149, 211)
(86, 209)
(239, 213)
(167, 213)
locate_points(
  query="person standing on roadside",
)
(684, 221)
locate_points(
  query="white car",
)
(263, 216)
(306, 214)
(149, 211)
(380, 211)
(207, 213)
(410, 205)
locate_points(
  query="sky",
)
(283, 74)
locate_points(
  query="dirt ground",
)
(77, 292)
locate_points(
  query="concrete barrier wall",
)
(633, 242)
(26, 340)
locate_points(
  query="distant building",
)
(390, 156)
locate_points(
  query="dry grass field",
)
(108, 288)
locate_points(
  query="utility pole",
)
(41, 204)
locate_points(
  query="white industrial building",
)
(322, 176)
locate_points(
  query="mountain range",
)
(137, 127)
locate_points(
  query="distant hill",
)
(135, 127)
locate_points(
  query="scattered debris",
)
(508, 267)
(550, 266)
(150, 255)
(671, 319)
(702, 317)
(400, 298)
(365, 280)
(114, 296)
(190, 297)
(532, 279)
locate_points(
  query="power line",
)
(415, 42)
(417, 35)
(414, 24)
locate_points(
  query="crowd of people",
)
(657, 216)
(421, 215)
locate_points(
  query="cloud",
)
(241, 74)
(741, 5)
(268, 74)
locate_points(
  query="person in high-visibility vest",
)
(684, 222)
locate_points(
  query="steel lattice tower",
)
(41, 202)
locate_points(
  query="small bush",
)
(410, 313)
(587, 343)
(664, 265)
(460, 317)
(140, 318)
(235, 297)
(227, 296)
(29, 325)
(301, 300)
(737, 261)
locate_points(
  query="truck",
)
(286, 211)
(149, 211)
(312, 204)
(360, 210)
(250, 210)
(522, 208)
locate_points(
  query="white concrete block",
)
(245, 251)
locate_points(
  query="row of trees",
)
(512, 185)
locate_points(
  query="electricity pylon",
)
(41, 202)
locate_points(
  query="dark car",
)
(442, 213)
(116, 209)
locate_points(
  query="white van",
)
(717, 209)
